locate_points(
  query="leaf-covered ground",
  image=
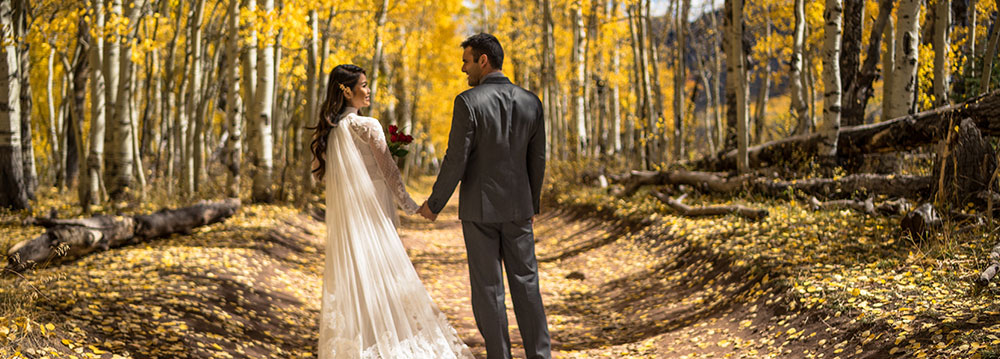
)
(620, 278)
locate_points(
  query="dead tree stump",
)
(965, 168)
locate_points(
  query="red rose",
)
(392, 129)
(395, 137)
(407, 138)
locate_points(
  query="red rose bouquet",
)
(398, 140)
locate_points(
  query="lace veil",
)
(374, 304)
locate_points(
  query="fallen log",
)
(889, 208)
(991, 271)
(707, 211)
(867, 206)
(864, 185)
(898, 134)
(706, 181)
(68, 239)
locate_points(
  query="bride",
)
(374, 305)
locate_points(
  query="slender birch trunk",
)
(77, 77)
(763, 92)
(248, 74)
(265, 141)
(796, 86)
(169, 112)
(907, 48)
(680, 77)
(377, 58)
(615, 98)
(133, 116)
(55, 168)
(580, 142)
(971, 30)
(717, 50)
(833, 16)
(651, 83)
(233, 116)
(186, 135)
(942, 44)
(553, 111)
(90, 184)
(742, 132)
(638, 140)
(889, 69)
(991, 53)
(13, 191)
(312, 107)
(121, 158)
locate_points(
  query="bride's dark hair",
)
(342, 76)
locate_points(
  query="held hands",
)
(426, 212)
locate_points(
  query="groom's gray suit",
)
(496, 148)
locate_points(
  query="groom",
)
(496, 148)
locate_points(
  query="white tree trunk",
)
(90, 185)
(680, 77)
(194, 97)
(973, 19)
(233, 116)
(799, 108)
(377, 58)
(13, 192)
(579, 79)
(138, 170)
(717, 44)
(888, 68)
(763, 92)
(907, 47)
(991, 52)
(833, 17)
(615, 122)
(263, 120)
(168, 113)
(55, 159)
(112, 63)
(249, 77)
(651, 88)
(121, 157)
(736, 48)
(942, 44)
(312, 107)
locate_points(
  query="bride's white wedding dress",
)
(374, 305)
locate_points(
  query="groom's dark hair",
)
(483, 43)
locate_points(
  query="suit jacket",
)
(496, 148)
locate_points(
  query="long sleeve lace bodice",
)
(371, 140)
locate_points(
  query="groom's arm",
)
(536, 160)
(455, 158)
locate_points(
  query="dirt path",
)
(248, 288)
(605, 295)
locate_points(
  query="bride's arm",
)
(372, 133)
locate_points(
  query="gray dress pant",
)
(513, 244)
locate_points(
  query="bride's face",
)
(361, 93)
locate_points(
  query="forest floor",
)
(621, 278)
